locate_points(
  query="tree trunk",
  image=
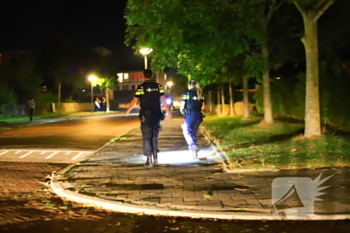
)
(222, 99)
(232, 111)
(245, 97)
(210, 102)
(311, 14)
(218, 101)
(312, 99)
(266, 85)
(59, 92)
(107, 100)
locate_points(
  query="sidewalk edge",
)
(59, 189)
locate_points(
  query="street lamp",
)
(92, 79)
(169, 84)
(145, 52)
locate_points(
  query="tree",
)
(22, 78)
(200, 37)
(196, 37)
(107, 82)
(65, 64)
(7, 95)
(311, 11)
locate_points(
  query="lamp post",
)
(169, 84)
(145, 52)
(92, 79)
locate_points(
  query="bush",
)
(288, 95)
(69, 100)
(7, 95)
(46, 98)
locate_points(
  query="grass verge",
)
(251, 144)
(26, 118)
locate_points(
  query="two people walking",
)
(150, 94)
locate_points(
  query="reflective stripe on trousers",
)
(190, 127)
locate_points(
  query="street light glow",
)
(170, 83)
(145, 51)
(92, 78)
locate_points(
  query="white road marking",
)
(51, 155)
(45, 154)
(4, 152)
(77, 156)
(26, 154)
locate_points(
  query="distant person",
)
(97, 104)
(191, 107)
(31, 106)
(149, 93)
(170, 102)
(103, 104)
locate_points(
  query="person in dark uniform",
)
(191, 107)
(149, 93)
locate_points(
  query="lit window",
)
(120, 77)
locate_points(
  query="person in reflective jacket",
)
(149, 93)
(191, 107)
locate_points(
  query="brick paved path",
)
(116, 172)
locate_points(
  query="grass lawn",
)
(26, 118)
(251, 144)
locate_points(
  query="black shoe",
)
(155, 157)
(149, 162)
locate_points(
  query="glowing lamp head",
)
(145, 51)
(92, 78)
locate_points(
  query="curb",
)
(61, 190)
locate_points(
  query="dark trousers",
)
(190, 127)
(150, 125)
(31, 114)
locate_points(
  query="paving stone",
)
(194, 198)
(151, 191)
(243, 196)
(184, 194)
(152, 199)
(266, 202)
(171, 200)
(161, 195)
(233, 203)
(252, 202)
(211, 206)
(171, 190)
(250, 206)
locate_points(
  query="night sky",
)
(26, 24)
